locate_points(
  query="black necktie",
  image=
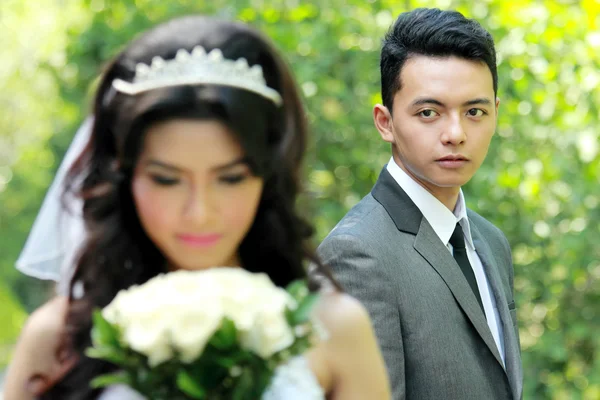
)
(460, 255)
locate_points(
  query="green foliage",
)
(13, 318)
(306, 302)
(538, 183)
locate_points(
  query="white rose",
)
(270, 334)
(191, 332)
(268, 331)
(150, 340)
(181, 310)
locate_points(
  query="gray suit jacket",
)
(433, 334)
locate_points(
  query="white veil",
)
(57, 231)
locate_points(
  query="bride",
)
(192, 163)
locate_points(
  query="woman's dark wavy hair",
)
(117, 252)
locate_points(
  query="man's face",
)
(443, 120)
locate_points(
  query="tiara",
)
(197, 68)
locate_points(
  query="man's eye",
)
(476, 112)
(428, 113)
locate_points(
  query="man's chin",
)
(454, 181)
(456, 184)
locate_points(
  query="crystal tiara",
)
(197, 68)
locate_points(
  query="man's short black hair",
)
(432, 32)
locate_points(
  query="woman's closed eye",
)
(164, 180)
(232, 179)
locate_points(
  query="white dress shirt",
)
(443, 222)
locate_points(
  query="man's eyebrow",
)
(480, 100)
(426, 100)
(429, 100)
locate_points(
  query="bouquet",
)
(213, 334)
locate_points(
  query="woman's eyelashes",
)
(232, 179)
(228, 179)
(164, 180)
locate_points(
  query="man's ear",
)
(383, 122)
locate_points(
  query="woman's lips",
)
(199, 240)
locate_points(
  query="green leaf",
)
(226, 336)
(226, 362)
(110, 354)
(111, 379)
(187, 384)
(297, 289)
(103, 333)
(302, 314)
(242, 389)
(144, 376)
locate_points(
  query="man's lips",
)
(452, 161)
(453, 157)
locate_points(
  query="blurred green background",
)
(538, 184)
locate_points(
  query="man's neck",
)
(448, 196)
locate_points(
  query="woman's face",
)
(194, 193)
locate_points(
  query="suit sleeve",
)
(511, 273)
(511, 270)
(355, 266)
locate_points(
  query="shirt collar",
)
(441, 219)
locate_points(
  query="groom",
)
(436, 277)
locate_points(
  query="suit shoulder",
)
(367, 215)
(483, 224)
(491, 232)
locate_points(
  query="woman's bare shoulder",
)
(36, 353)
(355, 366)
(49, 319)
(342, 315)
(46, 316)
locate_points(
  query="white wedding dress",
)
(292, 381)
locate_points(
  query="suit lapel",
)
(408, 218)
(401, 209)
(428, 244)
(511, 342)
